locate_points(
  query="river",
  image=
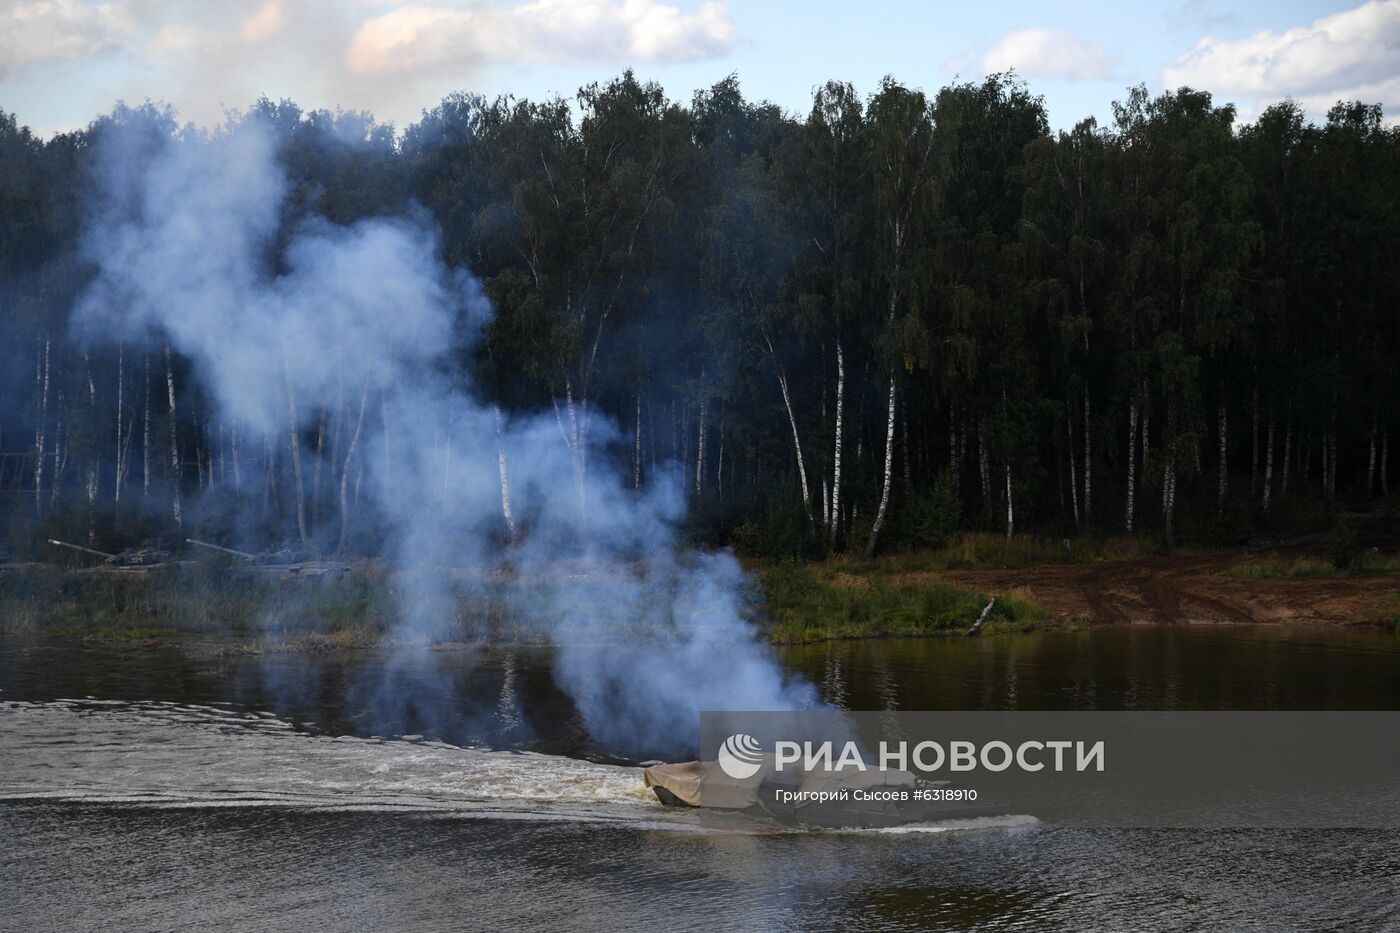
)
(151, 788)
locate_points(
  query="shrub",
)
(934, 513)
(1343, 545)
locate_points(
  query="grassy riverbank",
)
(818, 602)
(194, 602)
(911, 594)
(791, 604)
(1037, 584)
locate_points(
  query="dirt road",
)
(1184, 589)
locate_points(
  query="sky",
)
(63, 62)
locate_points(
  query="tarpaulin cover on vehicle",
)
(704, 784)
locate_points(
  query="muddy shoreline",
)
(1194, 589)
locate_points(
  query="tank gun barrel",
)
(86, 550)
(217, 547)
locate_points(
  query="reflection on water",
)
(501, 698)
(246, 792)
(507, 698)
(1129, 667)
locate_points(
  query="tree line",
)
(859, 329)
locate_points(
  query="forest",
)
(895, 318)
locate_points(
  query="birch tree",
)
(903, 186)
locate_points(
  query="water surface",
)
(163, 788)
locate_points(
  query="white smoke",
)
(190, 244)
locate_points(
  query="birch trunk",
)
(174, 440)
(60, 459)
(1385, 450)
(1010, 513)
(1146, 439)
(651, 436)
(796, 444)
(146, 435)
(1132, 461)
(1321, 460)
(700, 453)
(1062, 480)
(1088, 451)
(835, 523)
(92, 457)
(984, 472)
(1073, 478)
(1169, 501)
(198, 456)
(719, 460)
(295, 443)
(316, 470)
(1329, 451)
(889, 473)
(41, 385)
(1269, 460)
(121, 451)
(574, 442)
(904, 419)
(337, 456)
(345, 470)
(447, 447)
(1287, 451)
(954, 460)
(269, 477)
(504, 471)
(384, 427)
(1305, 456)
(1326, 465)
(685, 438)
(636, 446)
(234, 455)
(1254, 442)
(1371, 462)
(1224, 451)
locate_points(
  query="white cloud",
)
(1354, 53)
(63, 30)
(391, 57)
(266, 21)
(420, 38)
(1201, 14)
(1048, 53)
(175, 39)
(1386, 93)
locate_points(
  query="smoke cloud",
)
(285, 320)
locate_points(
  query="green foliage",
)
(1029, 292)
(747, 539)
(1017, 612)
(1276, 567)
(835, 600)
(934, 513)
(1230, 526)
(1384, 611)
(1343, 547)
(787, 534)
